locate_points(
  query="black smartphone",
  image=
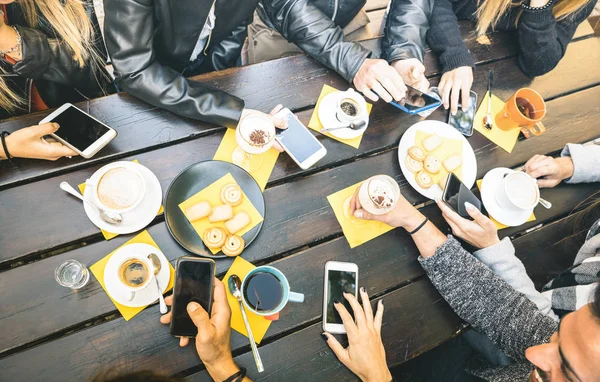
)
(463, 120)
(456, 194)
(416, 101)
(193, 282)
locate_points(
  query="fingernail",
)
(193, 306)
(436, 199)
(362, 289)
(358, 214)
(381, 302)
(336, 302)
(324, 336)
(453, 113)
(469, 206)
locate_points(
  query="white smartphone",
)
(298, 141)
(339, 278)
(79, 130)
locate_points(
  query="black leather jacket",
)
(58, 78)
(151, 41)
(406, 28)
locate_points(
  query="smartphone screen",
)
(463, 120)
(193, 282)
(339, 282)
(456, 194)
(415, 100)
(297, 140)
(78, 128)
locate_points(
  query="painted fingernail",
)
(358, 214)
(436, 199)
(324, 336)
(362, 289)
(381, 302)
(336, 302)
(193, 306)
(469, 206)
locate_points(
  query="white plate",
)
(145, 296)
(326, 113)
(489, 186)
(140, 216)
(469, 163)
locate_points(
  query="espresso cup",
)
(277, 292)
(350, 107)
(134, 274)
(534, 107)
(518, 191)
(117, 188)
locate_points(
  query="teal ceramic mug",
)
(286, 293)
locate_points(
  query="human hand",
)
(213, 338)
(549, 171)
(481, 233)
(365, 354)
(452, 84)
(404, 214)
(376, 76)
(29, 142)
(278, 122)
(412, 72)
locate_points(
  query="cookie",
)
(234, 245)
(214, 237)
(452, 162)
(413, 165)
(416, 153)
(239, 221)
(432, 142)
(221, 213)
(231, 194)
(423, 179)
(432, 164)
(198, 211)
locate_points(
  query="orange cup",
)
(525, 109)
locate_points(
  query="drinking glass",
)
(72, 274)
(255, 135)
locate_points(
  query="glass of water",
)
(72, 274)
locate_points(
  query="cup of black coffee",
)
(351, 107)
(266, 291)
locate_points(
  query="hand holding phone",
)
(463, 119)
(416, 101)
(340, 278)
(456, 194)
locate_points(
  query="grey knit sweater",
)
(491, 306)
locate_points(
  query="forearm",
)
(303, 24)
(428, 238)
(485, 301)
(406, 28)
(222, 370)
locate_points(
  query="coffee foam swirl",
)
(119, 188)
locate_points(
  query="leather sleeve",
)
(227, 52)
(129, 32)
(406, 28)
(303, 24)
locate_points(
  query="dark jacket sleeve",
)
(406, 28)
(486, 301)
(444, 37)
(303, 24)
(129, 31)
(543, 40)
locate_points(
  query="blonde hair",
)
(73, 27)
(489, 12)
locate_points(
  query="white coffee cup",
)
(518, 191)
(356, 100)
(129, 288)
(117, 187)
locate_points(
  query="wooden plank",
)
(22, 205)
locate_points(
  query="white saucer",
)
(145, 296)
(140, 216)
(469, 162)
(489, 186)
(326, 113)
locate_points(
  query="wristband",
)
(419, 227)
(237, 377)
(3, 136)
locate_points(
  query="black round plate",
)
(194, 179)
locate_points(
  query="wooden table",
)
(51, 333)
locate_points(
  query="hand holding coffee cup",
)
(135, 274)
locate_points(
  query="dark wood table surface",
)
(52, 333)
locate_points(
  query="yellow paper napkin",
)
(212, 195)
(447, 148)
(109, 235)
(258, 324)
(228, 145)
(316, 125)
(500, 226)
(505, 137)
(356, 231)
(98, 271)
